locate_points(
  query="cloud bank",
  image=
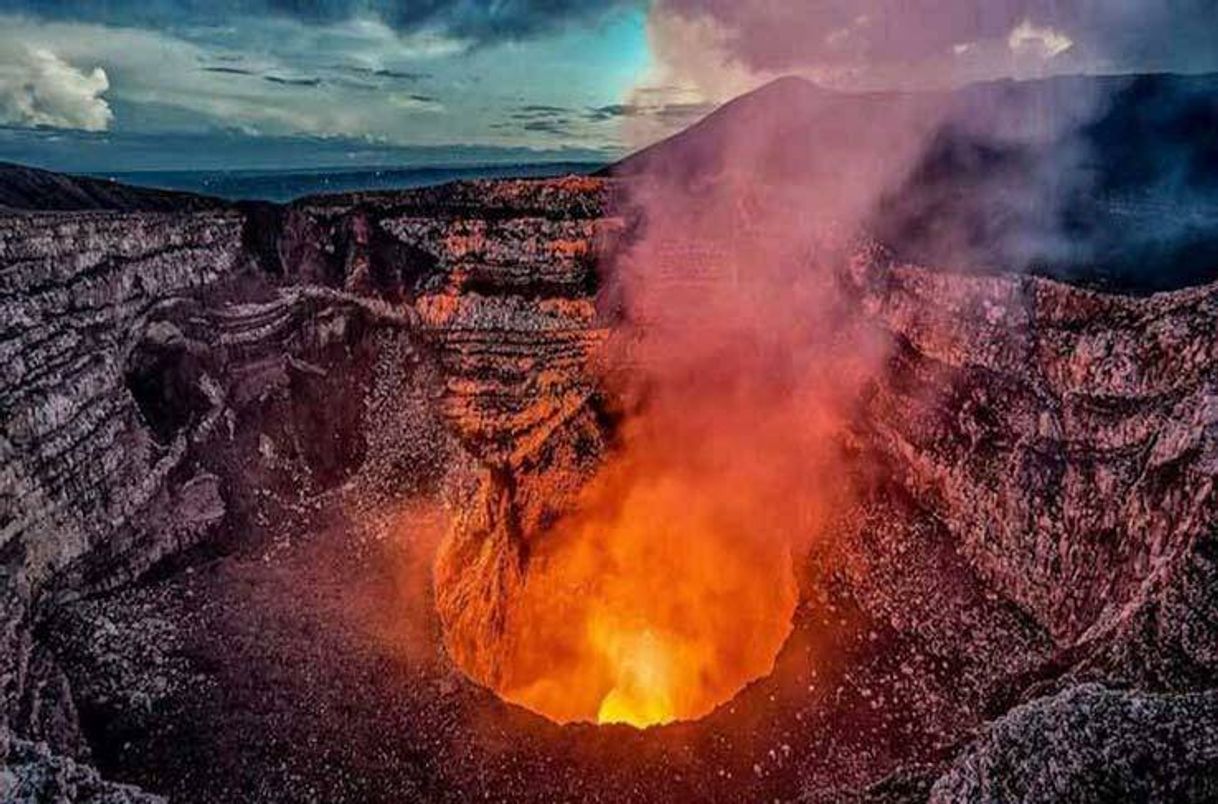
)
(38, 89)
(474, 22)
(286, 75)
(867, 39)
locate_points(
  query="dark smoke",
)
(1109, 182)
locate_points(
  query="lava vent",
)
(652, 603)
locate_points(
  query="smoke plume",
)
(742, 355)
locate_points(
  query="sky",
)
(207, 84)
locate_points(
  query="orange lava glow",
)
(669, 582)
(653, 605)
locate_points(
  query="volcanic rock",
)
(1092, 744)
(30, 772)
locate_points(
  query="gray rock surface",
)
(81, 477)
(30, 773)
(1066, 438)
(165, 366)
(1092, 744)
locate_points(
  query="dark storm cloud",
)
(480, 22)
(293, 82)
(667, 112)
(1124, 34)
(558, 127)
(228, 70)
(542, 113)
(368, 79)
(280, 80)
(539, 119)
(398, 75)
(542, 109)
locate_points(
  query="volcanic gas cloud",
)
(672, 583)
(735, 363)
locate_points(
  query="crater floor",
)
(299, 669)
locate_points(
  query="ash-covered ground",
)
(295, 672)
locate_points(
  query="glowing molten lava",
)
(668, 587)
(657, 602)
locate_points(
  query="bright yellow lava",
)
(642, 694)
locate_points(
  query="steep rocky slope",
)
(1065, 437)
(166, 369)
(215, 383)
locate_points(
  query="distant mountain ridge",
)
(30, 188)
(283, 186)
(1114, 178)
(27, 188)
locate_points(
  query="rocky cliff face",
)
(82, 472)
(1066, 438)
(165, 369)
(1044, 515)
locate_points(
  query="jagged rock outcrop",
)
(139, 382)
(30, 773)
(167, 369)
(80, 472)
(1066, 438)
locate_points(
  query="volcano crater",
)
(304, 557)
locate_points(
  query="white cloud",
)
(155, 69)
(358, 78)
(38, 88)
(1027, 39)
